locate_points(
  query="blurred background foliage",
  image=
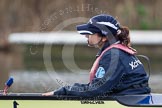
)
(30, 15)
(45, 15)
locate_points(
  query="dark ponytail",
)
(123, 36)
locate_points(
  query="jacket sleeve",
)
(103, 82)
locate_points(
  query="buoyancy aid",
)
(96, 63)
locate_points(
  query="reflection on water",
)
(37, 81)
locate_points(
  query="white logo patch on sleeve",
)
(100, 72)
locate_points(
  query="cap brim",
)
(84, 29)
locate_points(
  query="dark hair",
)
(123, 36)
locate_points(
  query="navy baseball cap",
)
(103, 24)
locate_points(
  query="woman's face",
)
(93, 39)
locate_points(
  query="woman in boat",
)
(116, 70)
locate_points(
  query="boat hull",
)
(35, 100)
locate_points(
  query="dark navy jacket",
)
(119, 73)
